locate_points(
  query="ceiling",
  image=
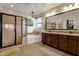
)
(28, 8)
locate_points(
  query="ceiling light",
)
(11, 5)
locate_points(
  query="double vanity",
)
(68, 42)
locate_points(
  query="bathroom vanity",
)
(65, 31)
(68, 42)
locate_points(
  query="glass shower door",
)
(18, 30)
(8, 33)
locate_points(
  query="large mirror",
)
(68, 20)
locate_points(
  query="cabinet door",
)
(54, 41)
(62, 42)
(48, 38)
(43, 38)
(73, 46)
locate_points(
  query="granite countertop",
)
(62, 33)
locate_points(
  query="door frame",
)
(0, 30)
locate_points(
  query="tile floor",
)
(35, 49)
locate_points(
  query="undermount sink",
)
(70, 32)
(73, 32)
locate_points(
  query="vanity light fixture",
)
(69, 6)
(53, 13)
(76, 5)
(48, 14)
(65, 8)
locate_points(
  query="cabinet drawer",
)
(62, 36)
(55, 40)
(73, 37)
(54, 44)
(54, 35)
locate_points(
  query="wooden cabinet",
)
(54, 40)
(43, 37)
(73, 45)
(48, 38)
(62, 43)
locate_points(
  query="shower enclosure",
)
(10, 30)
